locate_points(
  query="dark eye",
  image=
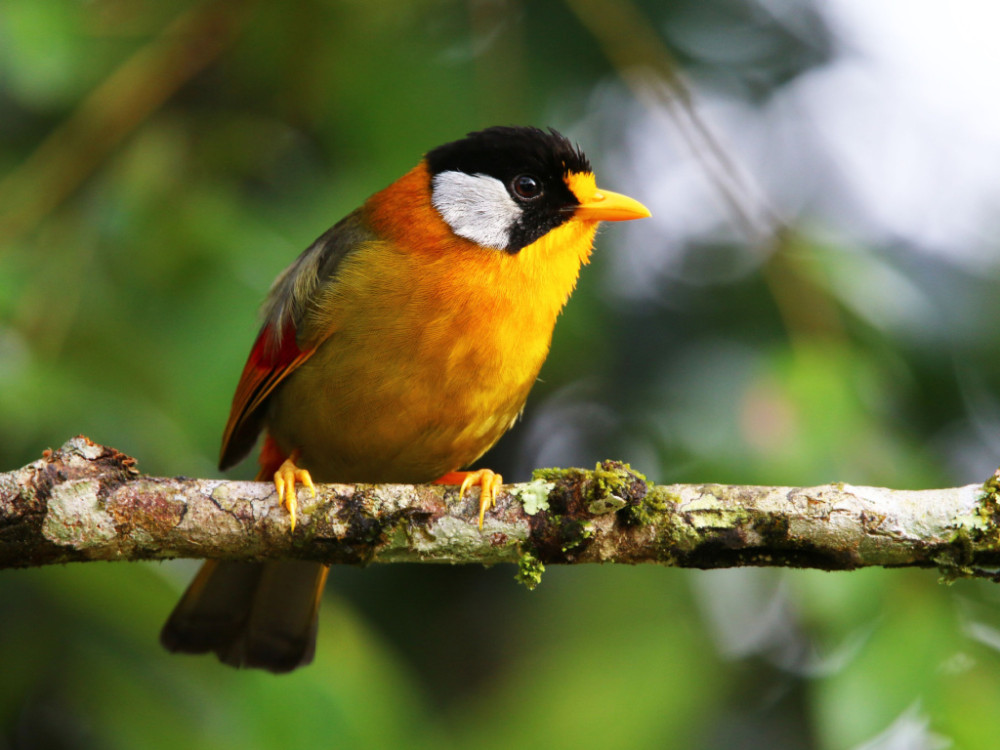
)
(525, 186)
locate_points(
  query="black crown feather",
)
(504, 151)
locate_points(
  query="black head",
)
(505, 187)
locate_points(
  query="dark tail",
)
(261, 615)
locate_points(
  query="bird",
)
(398, 347)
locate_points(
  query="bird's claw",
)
(284, 482)
(489, 483)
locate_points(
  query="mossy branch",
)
(88, 502)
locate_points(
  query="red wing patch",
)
(269, 363)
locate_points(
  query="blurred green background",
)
(161, 162)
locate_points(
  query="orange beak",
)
(603, 205)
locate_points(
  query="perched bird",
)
(398, 347)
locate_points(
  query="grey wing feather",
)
(294, 291)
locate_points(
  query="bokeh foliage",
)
(161, 162)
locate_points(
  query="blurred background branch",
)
(653, 75)
(113, 111)
(88, 502)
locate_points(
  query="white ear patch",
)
(476, 207)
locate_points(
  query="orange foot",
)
(284, 481)
(488, 481)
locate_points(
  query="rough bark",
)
(89, 502)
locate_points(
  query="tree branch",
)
(88, 502)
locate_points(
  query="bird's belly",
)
(400, 407)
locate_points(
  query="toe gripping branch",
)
(489, 483)
(284, 482)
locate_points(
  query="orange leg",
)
(284, 482)
(489, 483)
